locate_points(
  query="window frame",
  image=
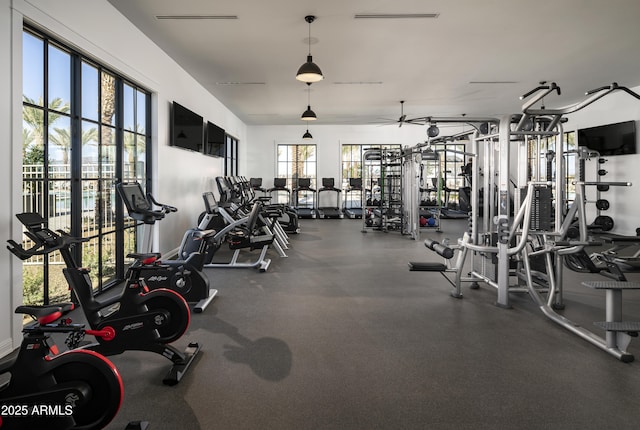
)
(84, 180)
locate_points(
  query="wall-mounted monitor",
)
(215, 140)
(187, 128)
(610, 139)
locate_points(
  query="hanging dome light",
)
(309, 115)
(307, 135)
(309, 71)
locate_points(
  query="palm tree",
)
(108, 83)
(302, 154)
(130, 146)
(33, 135)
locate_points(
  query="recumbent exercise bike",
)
(183, 276)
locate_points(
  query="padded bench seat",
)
(427, 267)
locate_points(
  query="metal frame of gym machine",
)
(506, 239)
(387, 214)
(413, 157)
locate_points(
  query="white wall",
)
(261, 152)
(8, 297)
(616, 107)
(100, 31)
(625, 204)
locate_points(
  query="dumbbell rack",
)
(602, 223)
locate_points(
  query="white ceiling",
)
(446, 66)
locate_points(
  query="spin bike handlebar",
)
(42, 247)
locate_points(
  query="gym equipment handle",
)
(438, 248)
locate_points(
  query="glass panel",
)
(107, 197)
(59, 147)
(58, 286)
(59, 79)
(108, 83)
(33, 139)
(570, 166)
(89, 92)
(129, 239)
(129, 156)
(90, 167)
(108, 153)
(284, 152)
(90, 208)
(32, 69)
(141, 109)
(33, 281)
(33, 196)
(108, 258)
(60, 205)
(91, 260)
(140, 157)
(128, 108)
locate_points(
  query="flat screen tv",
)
(187, 128)
(215, 140)
(610, 139)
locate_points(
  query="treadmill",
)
(353, 207)
(332, 211)
(305, 199)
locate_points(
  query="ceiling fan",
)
(403, 117)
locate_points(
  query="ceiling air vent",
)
(395, 15)
(196, 16)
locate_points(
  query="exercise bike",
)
(182, 276)
(77, 389)
(140, 319)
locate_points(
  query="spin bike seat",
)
(145, 257)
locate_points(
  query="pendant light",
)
(309, 71)
(307, 135)
(309, 115)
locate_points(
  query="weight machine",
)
(524, 229)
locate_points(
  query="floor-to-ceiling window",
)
(351, 169)
(296, 161)
(231, 156)
(84, 128)
(570, 158)
(452, 161)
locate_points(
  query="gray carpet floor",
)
(340, 335)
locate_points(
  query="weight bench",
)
(447, 253)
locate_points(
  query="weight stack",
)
(541, 209)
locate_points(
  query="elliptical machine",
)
(77, 389)
(138, 319)
(183, 276)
